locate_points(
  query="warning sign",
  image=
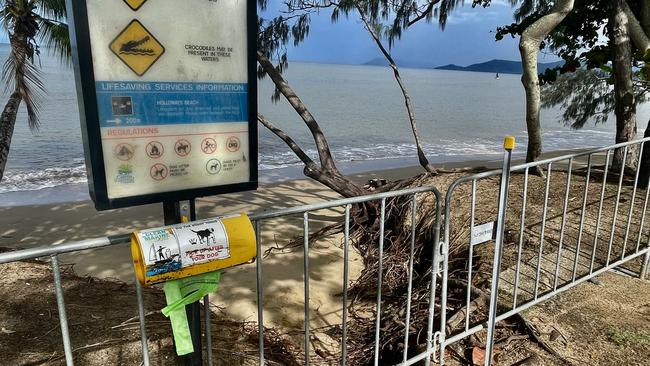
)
(155, 149)
(137, 47)
(124, 152)
(135, 4)
(182, 147)
(159, 172)
(169, 95)
(209, 146)
(233, 144)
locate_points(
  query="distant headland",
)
(492, 66)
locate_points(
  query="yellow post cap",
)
(509, 143)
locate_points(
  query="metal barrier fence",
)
(573, 233)
(346, 205)
(551, 235)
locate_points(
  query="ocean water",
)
(460, 115)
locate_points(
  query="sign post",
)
(167, 97)
(168, 104)
(173, 214)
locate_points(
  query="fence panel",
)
(569, 219)
(340, 210)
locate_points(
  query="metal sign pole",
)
(174, 212)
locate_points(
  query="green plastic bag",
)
(180, 293)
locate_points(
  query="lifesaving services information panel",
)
(172, 93)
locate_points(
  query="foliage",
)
(629, 339)
(29, 23)
(583, 85)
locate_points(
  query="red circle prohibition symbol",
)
(233, 144)
(159, 172)
(124, 152)
(182, 147)
(208, 146)
(155, 149)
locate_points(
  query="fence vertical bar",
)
(306, 277)
(582, 219)
(142, 320)
(644, 268)
(63, 318)
(645, 208)
(346, 269)
(564, 210)
(616, 204)
(436, 252)
(629, 216)
(498, 246)
(260, 293)
(379, 280)
(541, 236)
(471, 256)
(600, 213)
(208, 328)
(521, 238)
(410, 277)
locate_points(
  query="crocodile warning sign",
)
(168, 98)
(135, 4)
(137, 48)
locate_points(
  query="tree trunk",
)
(333, 180)
(529, 44)
(327, 173)
(7, 123)
(625, 104)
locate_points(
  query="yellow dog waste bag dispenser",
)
(190, 249)
(187, 258)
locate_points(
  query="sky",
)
(467, 39)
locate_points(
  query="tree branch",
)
(424, 162)
(637, 33)
(324, 151)
(300, 153)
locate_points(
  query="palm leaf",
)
(55, 37)
(52, 9)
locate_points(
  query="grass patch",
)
(627, 338)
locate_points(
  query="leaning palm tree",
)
(29, 24)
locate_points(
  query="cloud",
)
(472, 16)
(501, 3)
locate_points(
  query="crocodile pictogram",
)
(131, 48)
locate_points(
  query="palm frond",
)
(52, 9)
(55, 37)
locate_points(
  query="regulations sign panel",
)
(167, 94)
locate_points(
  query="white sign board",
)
(483, 233)
(172, 85)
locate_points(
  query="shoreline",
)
(78, 192)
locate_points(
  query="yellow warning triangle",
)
(135, 4)
(137, 47)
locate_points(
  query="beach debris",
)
(373, 184)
